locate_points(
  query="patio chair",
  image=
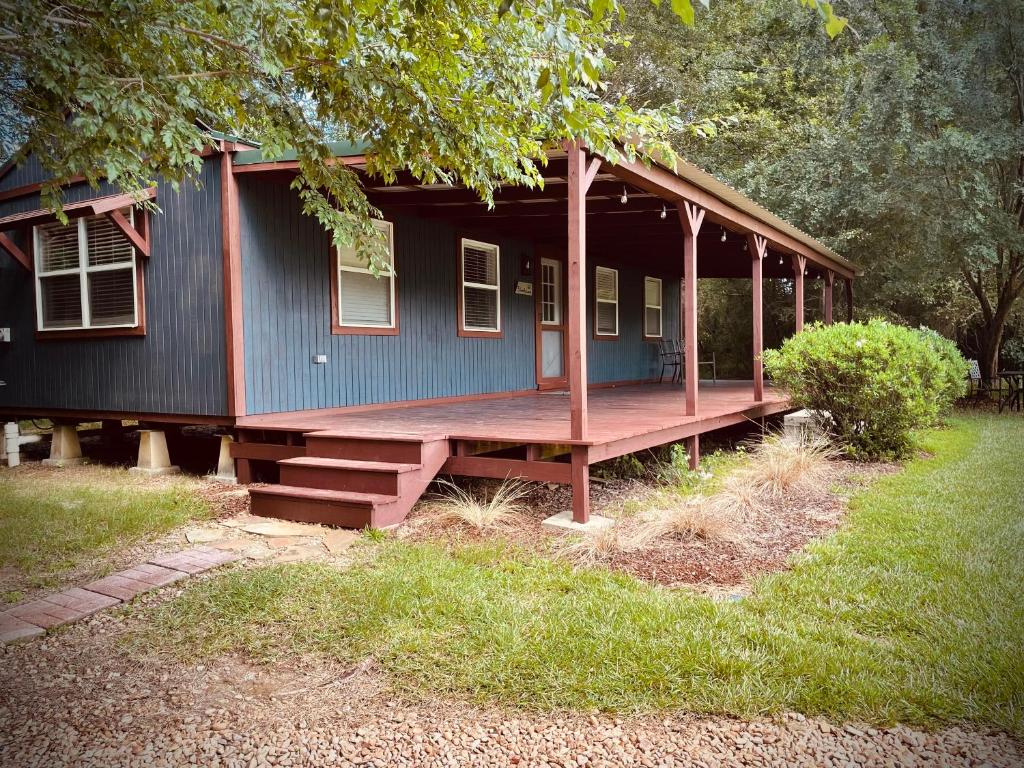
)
(671, 357)
(708, 362)
(978, 388)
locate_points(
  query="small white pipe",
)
(13, 441)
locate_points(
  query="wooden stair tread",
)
(374, 435)
(365, 466)
(318, 494)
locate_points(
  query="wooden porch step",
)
(345, 474)
(403, 450)
(350, 509)
(352, 481)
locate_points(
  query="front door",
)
(551, 334)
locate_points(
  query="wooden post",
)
(691, 216)
(799, 265)
(826, 289)
(758, 247)
(580, 474)
(581, 175)
(577, 292)
(849, 299)
(693, 449)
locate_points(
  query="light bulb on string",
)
(624, 199)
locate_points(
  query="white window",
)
(364, 299)
(652, 307)
(480, 269)
(85, 275)
(606, 296)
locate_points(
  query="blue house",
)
(532, 339)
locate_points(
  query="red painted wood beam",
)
(577, 257)
(758, 248)
(231, 257)
(138, 241)
(849, 300)
(799, 266)
(663, 182)
(691, 216)
(580, 472)
(19, 255)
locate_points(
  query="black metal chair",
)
(671, 357)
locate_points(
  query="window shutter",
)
(107, 244)
(58, 246)
(365, 299)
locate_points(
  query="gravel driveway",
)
(77, 698)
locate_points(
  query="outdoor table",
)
(1015, 392)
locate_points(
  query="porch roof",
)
(645, 222)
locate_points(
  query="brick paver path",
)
(33, 618)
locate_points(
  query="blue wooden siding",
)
(29, 172)
(629, 357)
(178, 367)
(287, 310)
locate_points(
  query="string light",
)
(664, 213)
(624, 199)
(723, 234)
(780, 261)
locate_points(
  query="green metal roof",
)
(338, 149)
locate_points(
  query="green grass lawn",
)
(912, 612)
(55, 522)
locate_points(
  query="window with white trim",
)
(85, 275)
(480, 270)
(606, 300)
(652, 307)
(366, 300)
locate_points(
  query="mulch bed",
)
(766, 541)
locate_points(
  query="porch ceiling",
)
(616, 231)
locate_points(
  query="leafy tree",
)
(902, 146)
(469, 91)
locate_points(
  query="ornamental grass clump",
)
(455, 506)
(870, 383)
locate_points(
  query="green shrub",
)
(876, 381)
(952, 380)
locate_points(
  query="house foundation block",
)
(563, 522)
(802, 425)
(64, 447)
(153, 456)
(226, 464)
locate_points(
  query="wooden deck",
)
(359, 467)
(617, 414)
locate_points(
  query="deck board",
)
(616, 414)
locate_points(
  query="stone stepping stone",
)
(15, 630)
(195, 560)
(71, 605)
(142, 578)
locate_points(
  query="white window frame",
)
(556, 287)
(464, 284)
(388, 229)
(598, 301)
(83, 270)
(659, 306)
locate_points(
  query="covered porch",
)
(591, 214)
